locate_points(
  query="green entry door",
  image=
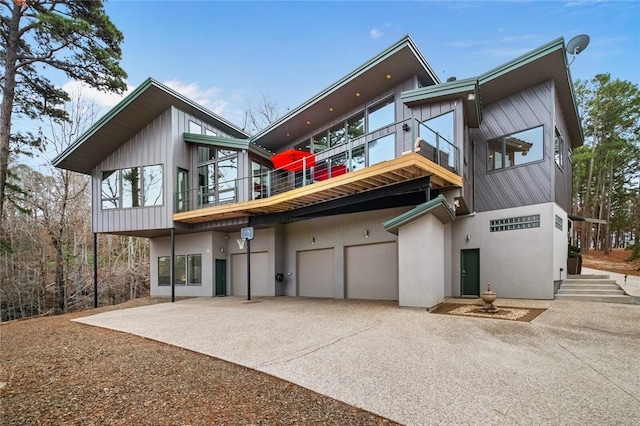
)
(470, 272)
(221, 277)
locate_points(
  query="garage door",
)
(259, 274)
(315, 273)
(372, 271)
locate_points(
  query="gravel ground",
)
(54, 371)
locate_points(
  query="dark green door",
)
(470, 272)
(221, 277)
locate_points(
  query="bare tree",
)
(259, 114)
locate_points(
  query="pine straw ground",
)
(615, 261)
(54, 372)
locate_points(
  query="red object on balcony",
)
(323, 173)
(292, 160)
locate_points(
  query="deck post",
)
(173, 265)
(95, 269)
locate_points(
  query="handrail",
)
(331, 162)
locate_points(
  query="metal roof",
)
(548, 62)
(383, 72)
(127, 118)
(466, 89)
(439, 207)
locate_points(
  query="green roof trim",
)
(130, 98)
(557, 44)
(227, 142)
(527, 58)
(450, 90)
(438, 206)
(406, 41)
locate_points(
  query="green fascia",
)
(446, 90)
(406, 41)
(392, 225)
(552, 46)
(227, 142)
(126, 102)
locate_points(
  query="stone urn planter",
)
(488, 297)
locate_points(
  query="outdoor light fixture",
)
(468, 237)
(313, 240)
(406, 127)
(366, 233)
(221, 249)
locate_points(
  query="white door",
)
(315, 273)
(372, 271)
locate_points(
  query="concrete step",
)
(592, 281)
(598, 292)
(590, 286)
(596, 298)
(589, 277)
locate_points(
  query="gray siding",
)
(563, 176)
(522, 185)
(150, 146)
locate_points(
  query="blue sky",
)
(223, 54)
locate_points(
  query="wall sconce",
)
(313, 240)
(221, 249)
(406, 127)
(226, 237)
(366, 233)
(468, 237)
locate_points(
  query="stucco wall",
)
(517, 263)
(421, 263)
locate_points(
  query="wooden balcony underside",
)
(404, 168)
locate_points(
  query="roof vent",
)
(450, 79)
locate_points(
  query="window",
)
(217, 175)
(260, 175)
(195, 128)
(382, 149)
(559, 149)
(209, 132)
(164, 270)
(152, 189)
(110, 189)
(182, 201)
(194, 269)
(513, 223)
(320, 142)
(382, 115)
(188, 270)
(355, 126)
(132, 187)
(516, 149)
(558, 222)
(337, 135)
(131, 193)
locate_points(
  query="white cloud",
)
(375, 33)
(209, 98)
(103, 100)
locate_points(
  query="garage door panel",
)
(259, 274)
(315, 273)
(372, 271)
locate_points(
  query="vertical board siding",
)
(150, 146)
(563, 176)
(522, 185)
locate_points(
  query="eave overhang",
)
(400, 61)
(439, 207)
(467, 91)
(127, 118)
(231, 143)
(548, 62)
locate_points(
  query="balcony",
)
(362, 164)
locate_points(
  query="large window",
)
(261, 182)
(516, 149)
(382, 115)
(188, 270)
(559, 149)
(217, 175)
(182, 200)
(132, 187)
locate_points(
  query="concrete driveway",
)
(577, 363)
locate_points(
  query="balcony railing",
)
(355, 154)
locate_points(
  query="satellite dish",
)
(576, 45)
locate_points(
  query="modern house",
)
(389, 184)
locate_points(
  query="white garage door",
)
(315, 273)
(259, 274)
(372, 271)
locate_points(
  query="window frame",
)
(558, 149)
(391, 100)
(504, 154)
(165, 281)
